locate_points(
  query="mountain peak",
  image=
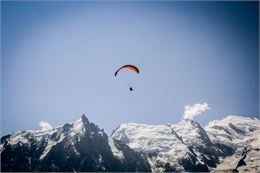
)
(85, 121)
(190, 130)
(189, 122)
(84, 118)
(78, 146)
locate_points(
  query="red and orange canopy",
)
(130, 67)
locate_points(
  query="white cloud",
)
(190, 112)
(45, 125)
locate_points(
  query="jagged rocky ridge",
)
(79, 146)
(230, 144)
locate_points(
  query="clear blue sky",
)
(59, 58)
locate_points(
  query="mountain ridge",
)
(230, 144)
(78, 146)
(206, 144)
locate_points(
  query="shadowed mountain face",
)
(79, 146)
(231, 144)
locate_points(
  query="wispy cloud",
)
(190, 112)
(45, 125)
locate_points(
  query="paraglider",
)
(128, 67)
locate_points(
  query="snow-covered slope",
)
(196, 138)
(78, 146)
(223, 145)
(235, 131)
(250, 162)
(163, 147)
(191, 132)
(243, 135)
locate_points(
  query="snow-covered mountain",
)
(235, 131)
(78, 146)
(243, 135)
(168, 147)
(164, 149)
(230, 144)
(196, 138)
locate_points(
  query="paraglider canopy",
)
(128, 67)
